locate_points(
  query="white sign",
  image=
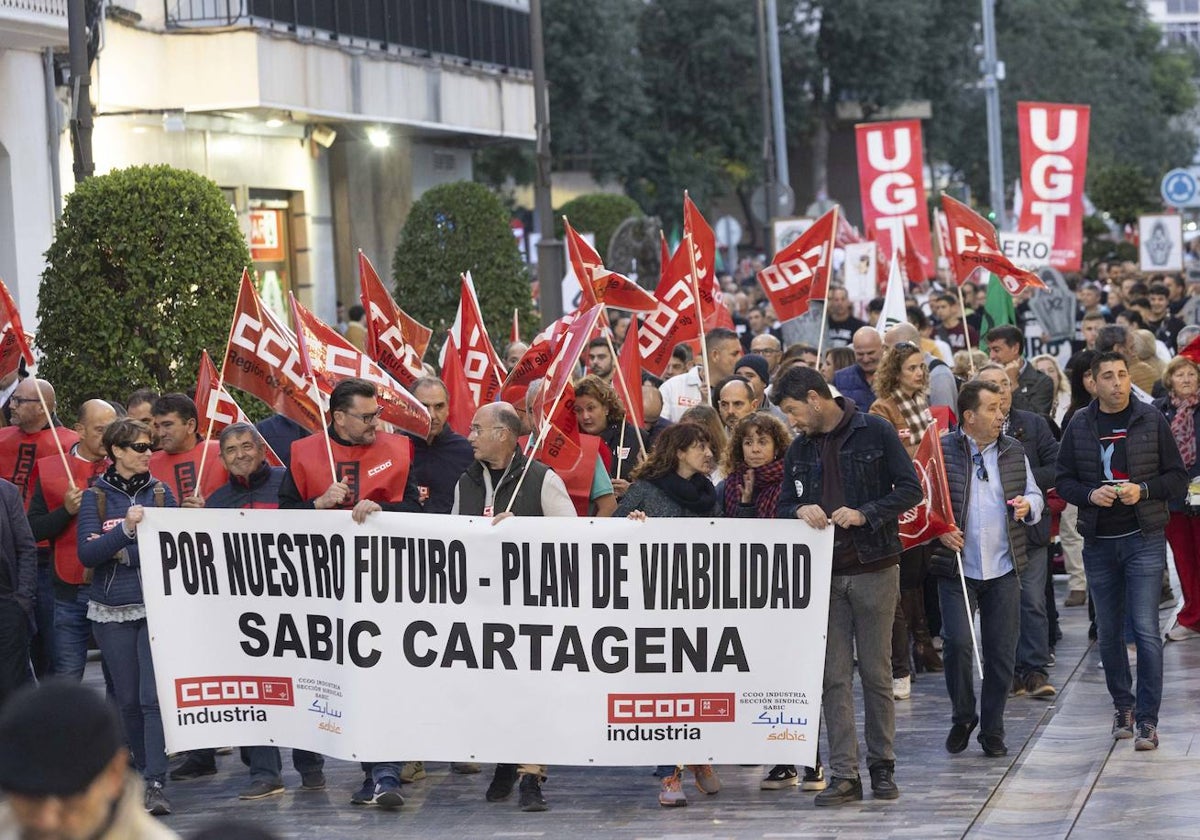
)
(859, 271)
(786, 231)
(1028, 251)
(572, 292)
(1160, 243)
(603, 641)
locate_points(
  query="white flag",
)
(894, 311)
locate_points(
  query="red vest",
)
(179, 471)
(19, 453)
(52, 475)
(579, 478)
(378, 472)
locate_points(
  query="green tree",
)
(142, 275)
(452, 229)
(1124, 192)
(598, 213)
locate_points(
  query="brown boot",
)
(924, 656)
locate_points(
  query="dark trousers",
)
(125, 646)
(14, 648)
(42, 649)
(266, 764)
(999, 603)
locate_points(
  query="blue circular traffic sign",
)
(1179, 188)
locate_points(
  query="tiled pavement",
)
(1064, 777)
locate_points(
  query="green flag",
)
(997, 309)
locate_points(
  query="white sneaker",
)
(902, 688)
(1179, 633)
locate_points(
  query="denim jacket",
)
(877, 477)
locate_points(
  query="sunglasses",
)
(980, 470)
(140, 447)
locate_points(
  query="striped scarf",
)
(916, 414)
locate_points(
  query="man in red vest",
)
(371, 472)
(58, 486)
(30, 437)
(181, 451)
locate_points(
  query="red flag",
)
(480, 362)
(933, 516)
(558, 375)
(534, 363)
(600, 285)
(801, 271)
(847, 234)
(915, 266)
(1052, 174)
(263, 359)
(704, 247)
(394, 339)
(13, 345)
(674, 319)
(462, 402)
(629, 361)
(891, 183)
(974, 245)
(559, 447)
(214, 405)
(330, 358)
(1192, 351)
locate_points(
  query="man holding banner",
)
(355, 466)
(994, 496)
(501, 483)
(850, 469)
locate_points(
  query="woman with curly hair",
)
(902, 385)
(706, 417)
(599, 412)
(672, 481)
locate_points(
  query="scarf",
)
(129, 486)
(696, 495)
(916, 414)
(1183, 427)
(768, 480)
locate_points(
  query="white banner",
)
(1160, 242)
(558, 641)
(1029, 251)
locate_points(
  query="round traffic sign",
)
(1179, 188)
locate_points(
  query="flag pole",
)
(542, 426)
(962, 578)
(624, 384)
(621, 448)
(962, 313)
(54, 432)
(828, 278)
(708, 384)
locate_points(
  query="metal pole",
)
(551, 264)
(764, 88)
(781, 156)
(991, 92)
(81, 89)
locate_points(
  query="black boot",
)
(531, 794)
(502, 783)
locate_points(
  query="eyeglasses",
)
(905, 345)
(980, 470)
(765, 352)
(366, 418)
(16, 401)
(478, 430)
(141, 447)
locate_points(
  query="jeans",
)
(125, 646)
(42, 651)
(380, 770)
(861, 609)
(999, 603)
(72, 632)
(1033, 646)
(266, 764)
(1125, 579)
(14, 648)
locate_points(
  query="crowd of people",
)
(1094, 461)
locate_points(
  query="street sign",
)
(1181, 187)
(728, 231)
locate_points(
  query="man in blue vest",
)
(994, 496)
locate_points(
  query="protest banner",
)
(602, 641)
(891, 185)
(1054, 142)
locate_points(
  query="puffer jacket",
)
(105, 548)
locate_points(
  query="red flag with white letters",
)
(974, 244)
(599, 285)
(263, 359)
(480, 361)
(558, 447)
(331, 358)
(674, 319)
(704, 250)
(800, 272)
(933, 516)
(1054, 142)
(394, 339)
(13, 344)
(214, 405)
(891, 183)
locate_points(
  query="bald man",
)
(30, 437)
(943, 389)
(58, 487)
(854, 382)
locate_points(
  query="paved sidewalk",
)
(1064, 777)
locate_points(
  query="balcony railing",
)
(470, 31)
(56, 8)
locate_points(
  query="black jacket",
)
(1033, 432)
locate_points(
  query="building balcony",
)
(33, 24)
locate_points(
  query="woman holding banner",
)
(673, 481)
(108, 520)
(902, 383)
